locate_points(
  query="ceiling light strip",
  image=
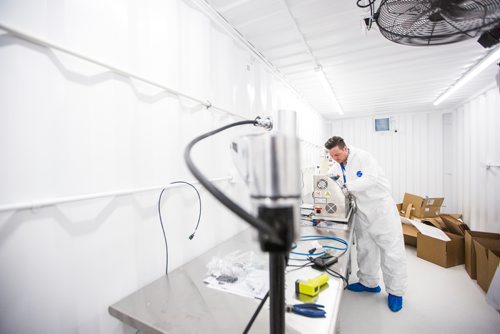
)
(317, 66)
(489, 59)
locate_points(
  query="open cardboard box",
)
(487, 260)
(443, 253)
(470, 250)
(446, 222)
(422, 207)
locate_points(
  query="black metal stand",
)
(277, 291)
(281, 219)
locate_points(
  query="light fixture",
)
(328, 88)
(484, 63)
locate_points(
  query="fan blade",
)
(409, 8)
(411, 23)
(465, 10)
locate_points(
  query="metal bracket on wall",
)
(490, 165)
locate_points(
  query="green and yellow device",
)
(312, 286)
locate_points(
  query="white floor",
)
(438, 300)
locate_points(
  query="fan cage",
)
(428, 22)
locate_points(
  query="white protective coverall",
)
(377, 224)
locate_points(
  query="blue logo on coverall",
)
(359, 173)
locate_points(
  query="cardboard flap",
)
(408, 210)
(454, 225)
(414, 200)
(493, 253)
(409, 230)
(486, 244)
(480, 249)
(479, 234)
(436, 222)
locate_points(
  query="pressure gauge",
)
(322, 184)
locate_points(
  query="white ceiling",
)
(368, 73)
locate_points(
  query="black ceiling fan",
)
(434, 22)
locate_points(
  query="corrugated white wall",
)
(70, 128)
(473, 141)
(440, 154)
(410, 153)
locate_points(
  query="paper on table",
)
(431, 231)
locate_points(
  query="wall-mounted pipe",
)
(61, 200)
(51, 45)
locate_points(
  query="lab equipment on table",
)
(331, 199)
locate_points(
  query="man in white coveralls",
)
(377, 227)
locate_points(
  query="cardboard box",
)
(422, 207)
(487, 260)
(470, 251)
(443, 253)
(410, 234)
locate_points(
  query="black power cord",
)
(257, 223)
(256, 313)
(337, 275)
(161, 220)
(369, 4)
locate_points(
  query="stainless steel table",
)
(182, 303)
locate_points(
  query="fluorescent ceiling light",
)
(328, 88)
(487, 61)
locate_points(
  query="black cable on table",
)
(256, 313)
(161, 220)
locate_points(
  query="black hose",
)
(257, 223)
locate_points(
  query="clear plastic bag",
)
(236, 265)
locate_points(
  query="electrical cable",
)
(257, 223)
(337, 275)
(369, 4)
(256, 313)
(199, 203)
(297, 267)
(163, 229)
(161, 220)
(321, 237)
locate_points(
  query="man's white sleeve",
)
(369, 175)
